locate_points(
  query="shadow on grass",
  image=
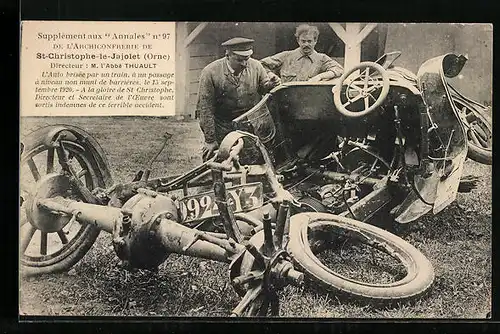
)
(455, 223)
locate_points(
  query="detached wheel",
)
(50, 242)
(479, 128)
(357, 259)
(480, 140)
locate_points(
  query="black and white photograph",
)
(256, 169)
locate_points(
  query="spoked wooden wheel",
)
(479, 129)
(50, 242)
(258, 300)
(262, 304)
(257, 275)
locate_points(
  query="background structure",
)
(198, 44)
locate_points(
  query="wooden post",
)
(352, 46)
(352, 36)
(181, 69)
(199, 28)
(339, 30)
(184, 39)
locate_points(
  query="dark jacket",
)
(223, 97)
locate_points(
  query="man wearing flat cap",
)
(229, 87)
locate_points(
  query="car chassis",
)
(252, 199)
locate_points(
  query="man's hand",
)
(315, 78)
(274, 80)
(208, 150)
(325, 76)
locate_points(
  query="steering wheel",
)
(370, 84)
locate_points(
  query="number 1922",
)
(204, 206)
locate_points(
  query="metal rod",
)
(286, 229)
(102, 216)
(228, 220)
(268, 235)
(147, 170)
(340, 177)
(198, 177)
(177, 182)
(280, 223)
(175, 237)
(247, 218)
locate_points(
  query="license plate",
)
(241, 198)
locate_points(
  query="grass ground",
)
(457, 241)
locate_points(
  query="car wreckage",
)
(311, 165)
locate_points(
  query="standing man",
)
(229, 87)
(303, 63)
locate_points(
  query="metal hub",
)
(49, 186)
(256, 275)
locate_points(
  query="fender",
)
(446, 137)
(437, 97)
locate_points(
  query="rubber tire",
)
(403, 290)
(313, 204)
(70, 257)
(479, 154)
(88, 235)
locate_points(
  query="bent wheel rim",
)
(403, 257)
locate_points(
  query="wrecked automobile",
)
(306, 171)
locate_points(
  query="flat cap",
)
(240, 46)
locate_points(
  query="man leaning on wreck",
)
(304, 63)
(229, 87)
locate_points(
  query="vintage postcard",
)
(215, 169)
